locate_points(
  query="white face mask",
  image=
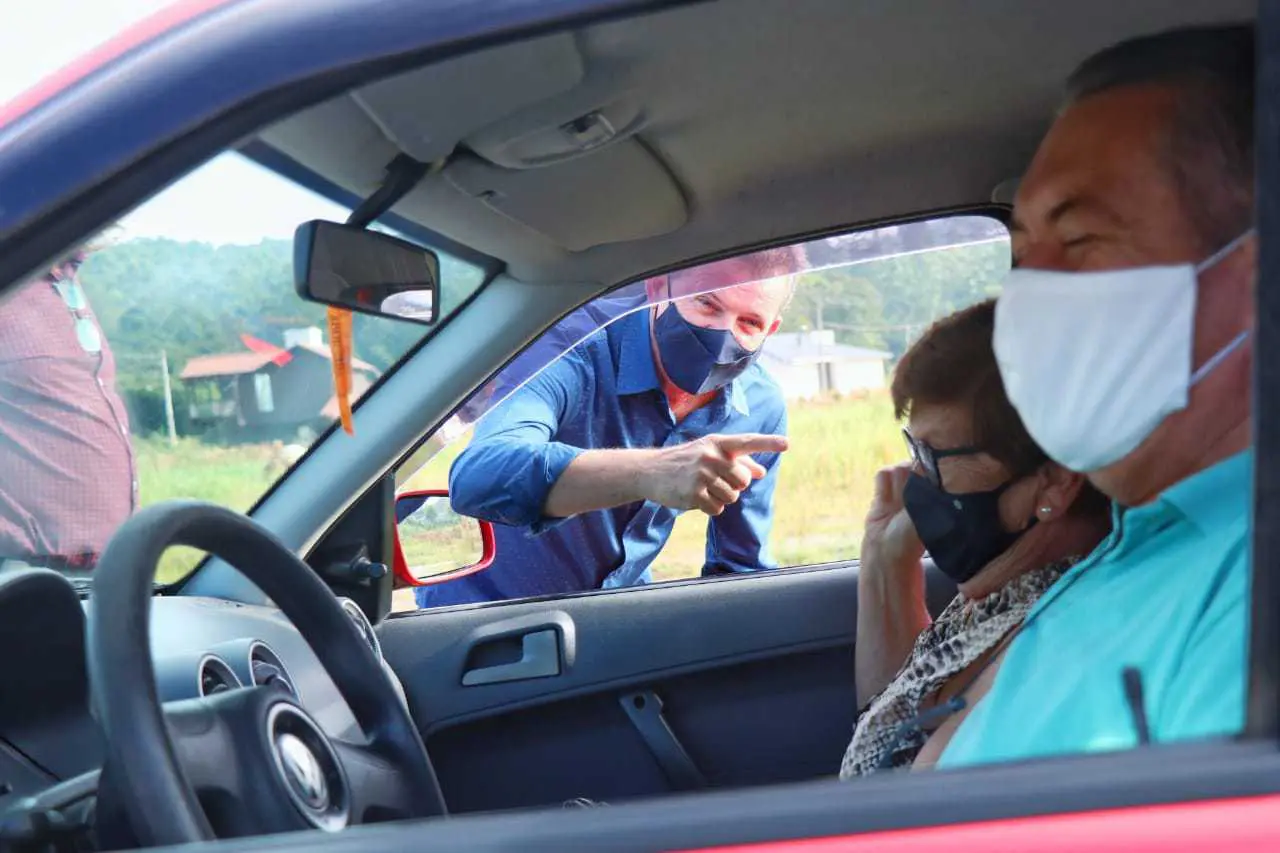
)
(1094, 361)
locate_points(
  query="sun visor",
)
(614, 194)
(429, 111)
(354, 152)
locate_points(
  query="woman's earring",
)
(1045, 510)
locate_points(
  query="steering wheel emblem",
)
(308, 767)
(303, 771)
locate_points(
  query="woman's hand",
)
(889, 538)
(891, 606)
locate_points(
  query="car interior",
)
(566, 161)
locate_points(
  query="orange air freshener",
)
(340, 346)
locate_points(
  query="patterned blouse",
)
(962, 634)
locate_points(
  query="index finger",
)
(750, 442)
(898, 475)
(884, 483)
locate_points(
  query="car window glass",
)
(177, 361)
(859, 300)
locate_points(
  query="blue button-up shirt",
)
(603, 393)
(1166, 593)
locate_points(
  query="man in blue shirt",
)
(584, 468)
(1123, 341)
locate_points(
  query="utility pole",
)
(168, 399)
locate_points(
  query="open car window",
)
(858, 301)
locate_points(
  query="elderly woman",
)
(995, 515)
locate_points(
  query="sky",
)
(227, 200)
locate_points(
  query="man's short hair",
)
(1210, 147)
(764, 264)
(784, 260)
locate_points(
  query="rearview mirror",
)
(366, 271)
(435, 544)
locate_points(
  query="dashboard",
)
(199, 646)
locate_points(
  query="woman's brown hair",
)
(953, 363)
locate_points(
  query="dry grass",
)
(824, 485)
(234, 477)
(450, 543)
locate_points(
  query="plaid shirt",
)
(67, 477)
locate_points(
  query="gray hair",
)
(1210, 146)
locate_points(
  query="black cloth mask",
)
(699, 360)
(961, 532)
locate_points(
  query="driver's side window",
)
(641, 439)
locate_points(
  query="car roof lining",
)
(884, 109)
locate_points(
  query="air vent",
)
(268, 670)
(216, 676)
(356, 615)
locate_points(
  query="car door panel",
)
(711, 683)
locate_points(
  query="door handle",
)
(539, 658)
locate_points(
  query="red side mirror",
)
(434, 544)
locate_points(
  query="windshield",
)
(170, 357)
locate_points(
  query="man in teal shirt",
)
(1123, 341)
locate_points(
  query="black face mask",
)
(962, 533)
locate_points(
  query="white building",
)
(810, 364)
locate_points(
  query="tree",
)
(885, 302)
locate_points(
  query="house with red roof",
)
(269, 392)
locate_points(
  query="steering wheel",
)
(249, 761)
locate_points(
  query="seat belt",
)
(645, 712)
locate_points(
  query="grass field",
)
(823, 490)
(234, 477)
(824, 485)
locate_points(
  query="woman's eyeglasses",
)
(925, 458)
